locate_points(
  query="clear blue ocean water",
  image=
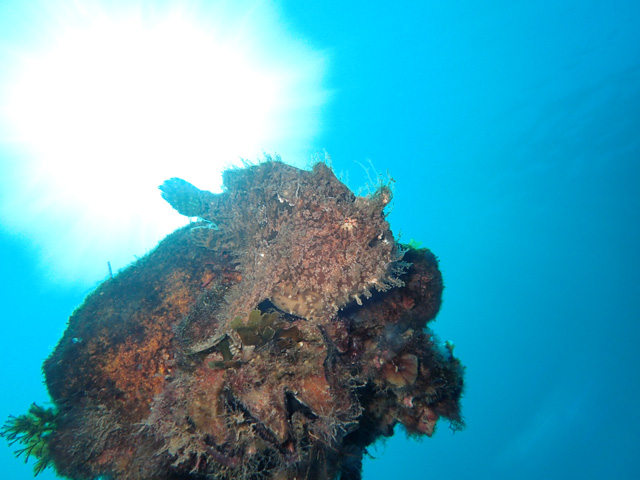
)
(512, 131)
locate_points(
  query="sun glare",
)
(111, 101)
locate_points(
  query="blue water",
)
(512, 131)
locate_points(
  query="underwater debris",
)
(277, 337)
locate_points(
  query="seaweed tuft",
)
(33, 431)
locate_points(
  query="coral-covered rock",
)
(276, 337)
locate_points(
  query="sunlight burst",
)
(111, 101)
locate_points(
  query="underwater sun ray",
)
(100, 102)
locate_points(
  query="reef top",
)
(301, 238)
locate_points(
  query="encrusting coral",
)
(277, 336)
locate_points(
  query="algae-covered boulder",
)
(277, 336)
